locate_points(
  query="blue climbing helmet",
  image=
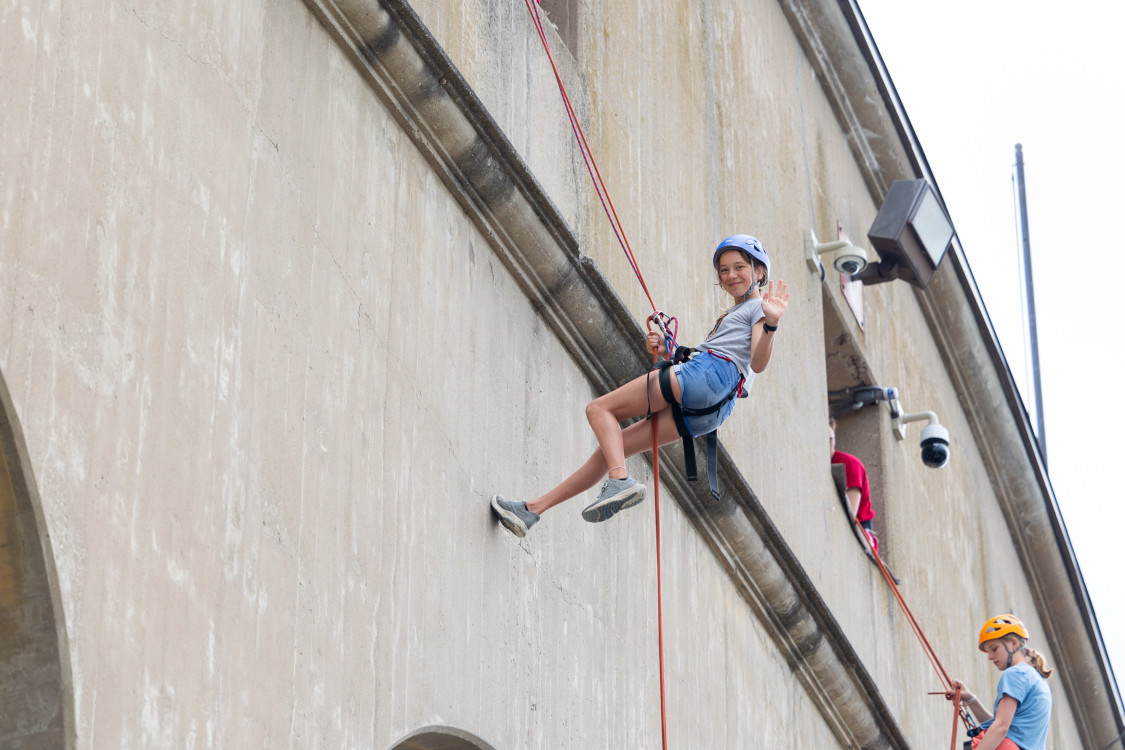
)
(750, 246)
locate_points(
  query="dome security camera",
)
(846, 257)
(935, 446)
(935, 438)
(850, 259)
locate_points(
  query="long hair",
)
(1035, 659)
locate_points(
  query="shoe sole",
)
(603, 510)
(508, 519)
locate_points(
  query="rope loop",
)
(669, 328)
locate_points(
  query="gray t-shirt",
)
(731, 336)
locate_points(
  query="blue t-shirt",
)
(1029, 725)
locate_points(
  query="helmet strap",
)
(755, 264)
(1011, 653)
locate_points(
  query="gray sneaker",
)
(515, 516)
(616, 495)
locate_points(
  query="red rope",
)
(946, 682)
(656, 506)
(956, 715)
(668, 326)
(588, 157)
(659, 588)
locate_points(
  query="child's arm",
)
(996, 733)
(761, 343)
(968, 699)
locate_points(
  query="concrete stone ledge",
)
(408, 70)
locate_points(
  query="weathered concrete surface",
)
(270, 364)
(256, 543)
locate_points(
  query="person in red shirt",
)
(857, 492)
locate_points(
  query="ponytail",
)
(1035, 659)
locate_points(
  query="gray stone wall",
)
(269, 370)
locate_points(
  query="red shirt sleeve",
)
(856, 476)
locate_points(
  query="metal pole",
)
(1032, 327)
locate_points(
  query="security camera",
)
(935, 438)
(850, 260)
(935, 446)
(846, 257)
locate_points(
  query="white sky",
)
(976, 78)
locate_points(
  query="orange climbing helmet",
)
(1000, 626)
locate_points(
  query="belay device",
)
(973, 732)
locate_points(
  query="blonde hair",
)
(1035, 659)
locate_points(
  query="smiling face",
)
(737, 275)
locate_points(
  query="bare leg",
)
(606, 413)
(634, 439)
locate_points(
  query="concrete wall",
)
(269, 369)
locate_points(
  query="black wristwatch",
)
(768, 328)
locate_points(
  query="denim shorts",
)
(706, 380)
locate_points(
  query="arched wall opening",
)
(36, 697)
(441, 738)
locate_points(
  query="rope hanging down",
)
(588, 156)
(943, 676)
(667, 324)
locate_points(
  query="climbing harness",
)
(681, 413)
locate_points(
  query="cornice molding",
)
(854, 92)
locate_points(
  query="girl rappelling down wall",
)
(1022, 709)
(693, 403)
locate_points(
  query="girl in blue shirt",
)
(1022, 709)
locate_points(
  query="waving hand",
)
(774, 303)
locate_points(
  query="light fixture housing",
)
(857, 397)
(911, 233)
